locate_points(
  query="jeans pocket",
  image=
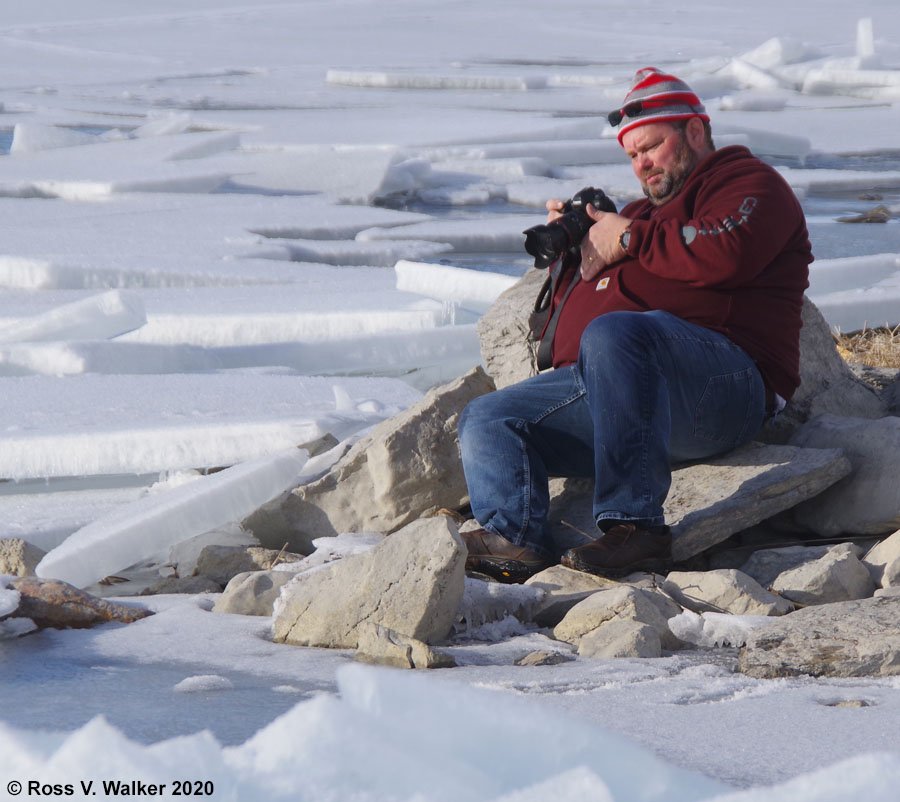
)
(723, 411)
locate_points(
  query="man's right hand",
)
(554, 209)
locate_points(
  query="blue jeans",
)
(648, 390)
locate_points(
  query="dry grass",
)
(878, 348)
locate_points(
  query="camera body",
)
(546, 243)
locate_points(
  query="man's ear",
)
(696, 134)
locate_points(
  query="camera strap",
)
(542, 317)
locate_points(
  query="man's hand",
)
(554, 209)
(601, 245)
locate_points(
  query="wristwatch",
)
(625, 238)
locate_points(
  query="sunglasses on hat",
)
(635, 108)
(632, 109)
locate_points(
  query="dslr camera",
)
(546, 243)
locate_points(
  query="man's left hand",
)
(601, 245)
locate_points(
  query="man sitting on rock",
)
(677, 342)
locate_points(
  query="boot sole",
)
(504, 570)
(654, 565)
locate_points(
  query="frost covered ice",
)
(392, 736)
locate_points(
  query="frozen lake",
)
(229, 229)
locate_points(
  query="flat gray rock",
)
(710, 501)
(846, 639)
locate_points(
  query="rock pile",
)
(820, 471)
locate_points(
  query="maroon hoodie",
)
(730, 252)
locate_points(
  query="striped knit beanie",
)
(656, 97)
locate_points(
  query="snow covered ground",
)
(228, 229)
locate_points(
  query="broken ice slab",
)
(101, 425)
(97, 317)
(472, 289)
(154, 523)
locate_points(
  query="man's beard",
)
(672, 180)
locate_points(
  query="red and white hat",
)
(656, 97)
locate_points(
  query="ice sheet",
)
(89, 425)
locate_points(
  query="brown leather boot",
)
(499, 559)
(625, 548)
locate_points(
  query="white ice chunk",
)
(778, 51)
(489, 602)
(93, 425)
(78, 246)
(824, 181)
(473, 289)
(753, 101)
(98, 317)
(752, 77)
(865, 43)
(502, 168)
(96, 171)
(851, 273)
(869, 307)
(385, 80)
(491, 233)
(9, 598)
(553, 151)
(349, 252)
(763, 143)
(204, 683)
(346, 174)
(32, 137)
(165, 125)
(841, 77)
(715, 629)
(451, 350)
(157, 522)
(14, 627)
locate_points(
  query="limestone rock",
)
(868, 500)
(710, 501)
(412, 583)
(382, 646)
(723, 590)
(18, 557)
(621, 638)
(544, 657)
(252, 593)
(848, 639)
(766, 564)
(56, 604)
(827, 384)
(620, 603)
(507, 349)
(222, 563)
(183, 584)
(883, 562)
(407, 467)
(836, 577)
(563, 589)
